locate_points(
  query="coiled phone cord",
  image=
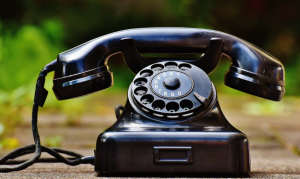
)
(39, 99)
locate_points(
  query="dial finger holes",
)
(146, 73)
(186, 104)
(172, 107)
(158, 105)
(157, 67)
(140, 81)
(147, 99)
(185, 67)
(140, 91)
(171, 65)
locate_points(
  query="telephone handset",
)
(172, 122)
(84, 69)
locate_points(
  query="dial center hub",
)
(172, 83)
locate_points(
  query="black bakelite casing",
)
(196, 140)
(182, 130)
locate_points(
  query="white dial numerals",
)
(161, 90)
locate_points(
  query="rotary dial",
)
(171, 90)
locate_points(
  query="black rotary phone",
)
(172, 121)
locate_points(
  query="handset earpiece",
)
(83, 83)
(255, 72)
(83, 69)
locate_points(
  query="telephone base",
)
(171, 153)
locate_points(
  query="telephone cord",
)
(37, 148)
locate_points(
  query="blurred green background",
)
(34, 32)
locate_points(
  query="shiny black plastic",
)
(83, 69)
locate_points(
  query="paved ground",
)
(274, 141)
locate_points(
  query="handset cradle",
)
(207, 62)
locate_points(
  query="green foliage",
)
(264, 108)
(9, 143)
(292, 77)
(53, 141)
(73, 111)
(24, 53)
(11, 105)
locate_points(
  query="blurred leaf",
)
(53, 141)
(54, 30)
(1, 128)
(23, 55)
(265, 108)
(9, 143)
(73, 109)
